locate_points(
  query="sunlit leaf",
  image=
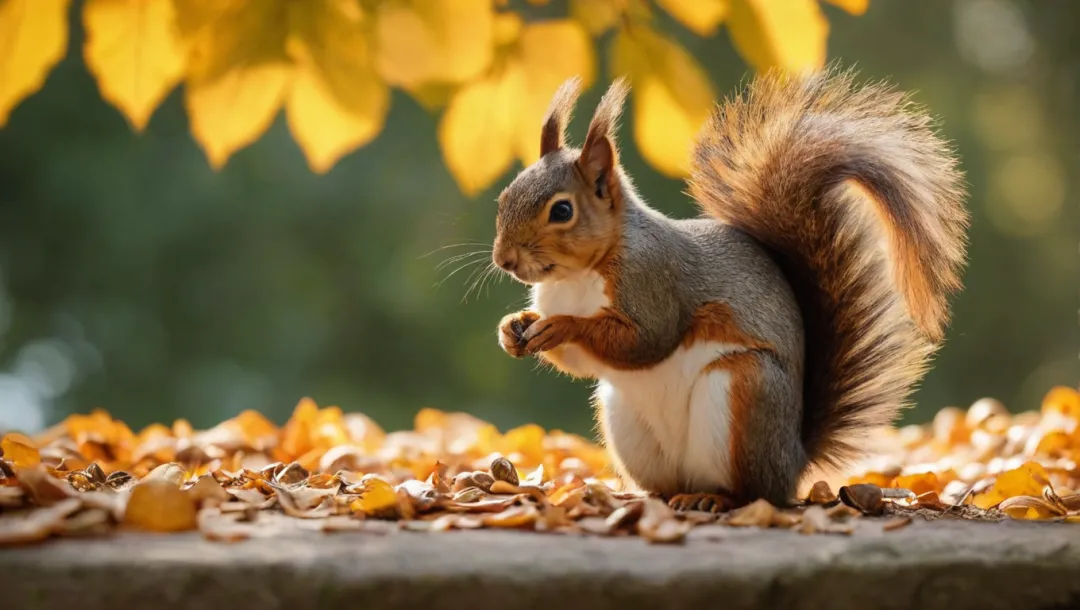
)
(549, 53)
(376, 495)
(20, 450)
(598, 16)
(672, 97)
(1028, 480)
(238, 70)
(34, 35)
(1064, 400)
(423, 41)
(699, 16)
(789, 34)
(160, 506)
(477, 131)
(133, 53)
(337, 103)
(855, 7)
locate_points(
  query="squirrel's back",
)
(861, 205)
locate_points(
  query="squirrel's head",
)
(561, 215)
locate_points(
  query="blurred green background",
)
(135, 278)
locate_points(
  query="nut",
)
(503, 470)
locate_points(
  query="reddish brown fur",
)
(822, 173)
(716, 322)
(742, 397)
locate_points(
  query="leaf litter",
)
(329, 471)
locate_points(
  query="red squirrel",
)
(735, 350)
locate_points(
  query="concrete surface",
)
(925, 566)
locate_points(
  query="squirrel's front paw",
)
(547, 334)
(512, 330)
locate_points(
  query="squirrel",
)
(735, 351)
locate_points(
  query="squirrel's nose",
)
(507, 259)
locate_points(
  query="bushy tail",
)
(862, 205)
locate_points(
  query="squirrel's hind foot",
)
(709, 503)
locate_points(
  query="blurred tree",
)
(330, 64)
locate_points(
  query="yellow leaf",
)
(237, 70)
(855, 7)
(132, 52)
(33, 38)
(376, 495)
(598, 16)
(337, 103)
(699, 16)
(158, 505)
(672, 97)
(1028, 480)
(19, 450)
(789, 34)
(549, 53)
(476, 132)
(424, 41)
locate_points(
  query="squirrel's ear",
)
(553, 132)
(600, 156)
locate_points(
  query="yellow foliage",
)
(423, 41)
(35, 37)
(789, 34)
(237, 71)
(672, 96)
(855, 7)
(337, 102)
(330, 64)
(700, 16)
(598, 16)
(19, 450)
(132, 52)
(493, 120)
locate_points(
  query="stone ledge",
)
(925, 566)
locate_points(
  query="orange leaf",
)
(158, 505)
(1062, 399)
(1028, 480)
(20, 450)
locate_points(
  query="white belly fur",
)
(667, 426)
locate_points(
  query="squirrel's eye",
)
(562, 211)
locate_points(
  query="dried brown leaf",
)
(659, 523)
(159, 505)
(757, 514)
(36, 525)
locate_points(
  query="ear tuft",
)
(605, 120)
(599, 156)
(553, 131)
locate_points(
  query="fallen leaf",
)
(816, 520)
(757, 514)
(513, 517)
(376, 496)
(1027, 480)
(158, 505)
(19, 450)
(658, 523)
(36, 525)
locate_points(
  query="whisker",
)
(459, 257)
(459, 268)
(460, 245)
